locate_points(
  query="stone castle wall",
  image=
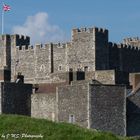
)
(25, 62)
(73, 100)
(43, 106)
(95, 106)
(41, 62)
(124, 57)
(101, 49)
(17, 40)
(5, 51)
(15, 98)
(108, 108)
(88, 50)
(103, 76)
(133, 114)
(59, 58)
(81, 53)
(108, 76)
(86, 42)
(88, 56)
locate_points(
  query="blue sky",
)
(58, 17)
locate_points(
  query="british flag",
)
(6, 7)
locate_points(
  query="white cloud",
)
(40, 30)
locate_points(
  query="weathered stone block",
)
(16, 98)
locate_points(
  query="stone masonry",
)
(43, 106)
(89, 50)
(108, 108)
(133, 114)
(15, 98)
(85, 81)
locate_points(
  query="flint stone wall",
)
(133, 114)
(16, 98)
(73, 100)
(43, 106)
(103, 76)
(108, 108)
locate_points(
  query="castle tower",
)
(89, 49)
(5, 52)
(8, 53)
(17, 40)
(101, 48)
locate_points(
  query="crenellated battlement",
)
(135, 41)
(113, 45)
(46, 46)
(89, 30)
(20, 40)
(123, 46)
(131, 39)
(41, 46)
(24, 48)
(22, 37)
(88, 49)
(101, 30)
(129, 47)
(4, 36)
(60, 45)
(30, 47)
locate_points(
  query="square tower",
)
(5, 52)
(89, 49)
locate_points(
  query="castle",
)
(88, 81)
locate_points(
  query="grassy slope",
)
(11, 124)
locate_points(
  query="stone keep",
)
(57, 67)
(102, 107)
(38, 62)
(85, 44)
(88, 50)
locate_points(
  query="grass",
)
(17, 127)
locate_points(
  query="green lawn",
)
(20, 127)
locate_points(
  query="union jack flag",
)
(6, 7)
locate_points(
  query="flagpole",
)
(2, 20)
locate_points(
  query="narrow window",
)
(60, 68)
(42, 68)
(71, 118)
(70, 69)
(53, 116)
(86, 68)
